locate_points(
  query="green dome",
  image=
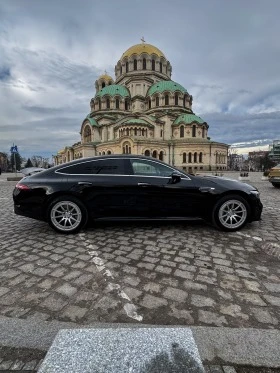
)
(188, 118)
(113, 90)
(92, 121)
(166, 85)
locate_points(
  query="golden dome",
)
(105, 77)
(142, 48)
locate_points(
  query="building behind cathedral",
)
(142, 111)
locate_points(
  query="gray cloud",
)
(225, 53)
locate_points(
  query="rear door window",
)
(149, 168)
(96, 167)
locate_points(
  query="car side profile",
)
(129, 187)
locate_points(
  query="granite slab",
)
(118, 350)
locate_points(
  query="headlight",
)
(256, 193)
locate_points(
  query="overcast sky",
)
(225, 53)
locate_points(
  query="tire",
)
(276, 185)
(231, 213)
(67, 214)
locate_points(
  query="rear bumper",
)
(29, 212)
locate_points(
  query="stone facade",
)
(144, 112)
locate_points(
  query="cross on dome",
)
(143, 40)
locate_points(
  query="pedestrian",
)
(0, 170)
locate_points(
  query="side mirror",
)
(175, 177)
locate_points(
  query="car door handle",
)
(144, 184)
(84, 183)
(206, 189)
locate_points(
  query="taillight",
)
(22, 187)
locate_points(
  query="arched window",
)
(127, 132)
(195, 157)
(166, 100)
(184, 157)
(157, 101)
(99, 104)
(126, 149)
(144, 64)
(126, 105)
(147, 153)
(135, 131)
(160, 67)
(135, 64)
(109, 152)
(117, 103)
(161, 156)
(154, 155)
(121, 69)
(126, 67)
(193, 131)
(143, 132)
(200, 157)
(176, 99)
(190, 157)
(150, 103)
(110, 83)
(108, 103)
(103, 85)
(203, 131)
(182, 131)
(153, 65)
(87, 134)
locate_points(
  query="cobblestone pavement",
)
(155, 273)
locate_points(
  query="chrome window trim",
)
(139, 159)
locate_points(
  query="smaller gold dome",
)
(142, 48)
(105, 77)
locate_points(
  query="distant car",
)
(129, 187)
(274, 176)
(31, 170)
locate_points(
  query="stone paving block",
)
(264, 316)
(132, 292)
(251, 298)
(163, 269)
(149, 266)
(190, 285)
(54, 303)
(183, 274)
(272, 287)
(228, 369)
(211, 318)
(201, 301)
(74, 313)
(175, 294)
(66, 290)
(3, 290)
(6, 364)
(272, 300)
(150, 301)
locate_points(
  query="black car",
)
(132, 187)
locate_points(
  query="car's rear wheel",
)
(276, 185)
(231, 213)
(67, 214)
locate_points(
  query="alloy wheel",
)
(66, 216)
(232, 214)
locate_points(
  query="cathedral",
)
(143, 111)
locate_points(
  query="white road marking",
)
(129, 308)
(248, 236)
(4, 198)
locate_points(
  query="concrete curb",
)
(227, 346)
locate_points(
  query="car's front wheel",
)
(276, 185)
(231, 213)
(67, 214)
